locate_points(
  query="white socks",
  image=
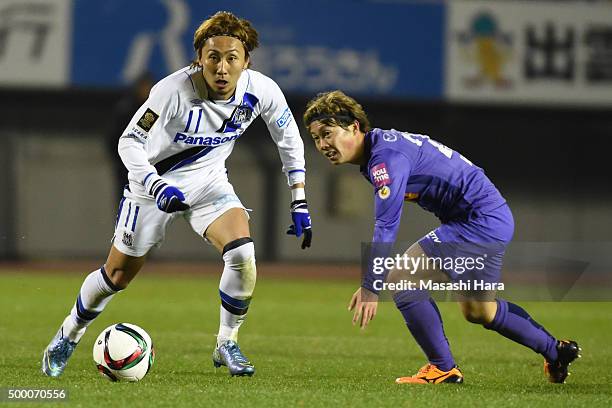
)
(236, 287)
(97, 290)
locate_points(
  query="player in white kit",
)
(175, 149)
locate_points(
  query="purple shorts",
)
(474, 249)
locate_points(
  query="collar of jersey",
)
(225, 102)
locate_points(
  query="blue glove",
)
(168, 198)
(301, 222)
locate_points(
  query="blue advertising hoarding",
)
(363, 47)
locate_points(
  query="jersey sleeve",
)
(388, 171)
(285, 133)
(155, 113)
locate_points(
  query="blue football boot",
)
(56, 355)
(228, 354)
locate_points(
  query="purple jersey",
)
(410, 167)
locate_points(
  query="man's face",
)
(337, 144)
(223, 59)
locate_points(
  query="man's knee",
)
(239, 257)
(121, 274)
(239, 251)
(121, 269)
(120, 277)
(117, 277)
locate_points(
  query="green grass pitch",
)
(300, 338)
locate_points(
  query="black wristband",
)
(156, 187)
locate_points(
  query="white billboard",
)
(35, 42)
(529, 52)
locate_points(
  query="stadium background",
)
(539, 122)
(522, 88)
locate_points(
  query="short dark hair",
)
(336, 108)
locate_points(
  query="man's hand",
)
(365, 304)
(301, 222)
(168, 198)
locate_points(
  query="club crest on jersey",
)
(241, 114)
(147, 120)
(128, 239)
(384, 192)
(380, 175)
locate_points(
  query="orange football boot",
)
(557, 371)
(430, 374)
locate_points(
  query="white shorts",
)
(141, 225)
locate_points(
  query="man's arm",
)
(284, 131)
(389, 171)
(157, 110)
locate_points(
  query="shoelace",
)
(236, 354)
(426, 369)
(61, 350)
(65, 345)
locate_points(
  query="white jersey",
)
(182, 135)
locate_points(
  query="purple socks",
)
(513, 322)
(425, 323)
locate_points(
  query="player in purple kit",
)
(475, 219)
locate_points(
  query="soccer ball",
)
(124, 351)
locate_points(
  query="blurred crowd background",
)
(521, 88)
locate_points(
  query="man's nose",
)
(222, 67)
